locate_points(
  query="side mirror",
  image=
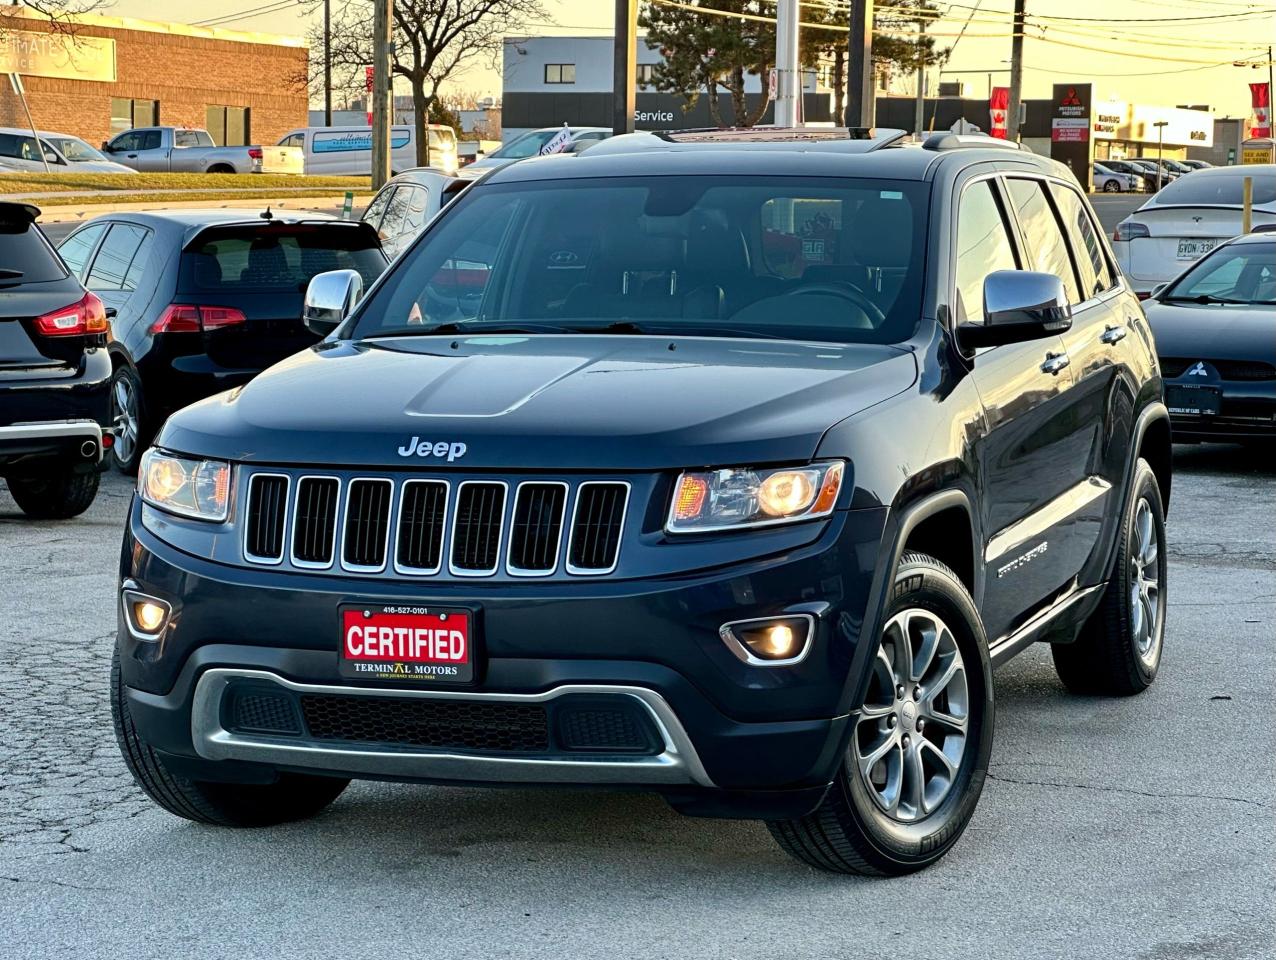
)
(52, 157)
(1157, 290)
(329, 299)
(106, 146)
(1019, 305)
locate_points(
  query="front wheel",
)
(1111, 186)
(920, 744)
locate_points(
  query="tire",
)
(1111, 186)
(853, 831)
(1114, 655)
(292, 797)
(57, 496)
(132, 423)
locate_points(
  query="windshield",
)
(525, 146)
(800, 258)
(1216, 188)
(76, 151)
(1237, 273)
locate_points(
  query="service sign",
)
(1071, 119)
(52, 55)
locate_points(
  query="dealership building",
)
(113, 73)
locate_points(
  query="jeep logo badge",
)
(416, 447)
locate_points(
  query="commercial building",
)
(113, 73)
(549, 81)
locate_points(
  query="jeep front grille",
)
(419, 527)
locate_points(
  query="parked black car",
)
(1215, 331)
(204, 300)
(720, 465)
(54, 374)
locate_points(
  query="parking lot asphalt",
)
(1135, 828)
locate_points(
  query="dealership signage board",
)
(54, 55)
(1071, 118)
(1193, 128)
(1109, 117)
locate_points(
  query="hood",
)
(1213, 331)
(543, 402)
(99, 166)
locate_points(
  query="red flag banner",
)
(998, 103)
(1261, 97)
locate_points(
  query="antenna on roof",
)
(267, 215)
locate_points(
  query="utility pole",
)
(624, 65)
(1160, 151)
(788, 79)
(382, 86)
(1013, 106)
(919, 109)
(327, 63)
(859, 66)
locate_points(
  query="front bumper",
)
(730, 738)
(1247, 412)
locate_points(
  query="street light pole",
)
(327, 63)
(787, 68)
(1160, 151)
(382, 87)
(919, 109)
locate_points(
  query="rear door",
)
(33, 282)
(249, 280)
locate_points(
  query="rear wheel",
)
(55, 496)
(1111, 186)
(293, 796)
(915, 767)
(128, 410)
(1119, 650)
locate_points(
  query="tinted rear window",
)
(24, 256)
(277, 259)
(1195, 188)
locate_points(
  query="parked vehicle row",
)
(189, 150)
(55, 152)
(1109, 180)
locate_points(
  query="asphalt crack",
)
(1130, 791)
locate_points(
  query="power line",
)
(265, 8)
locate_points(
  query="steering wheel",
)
(845, 290)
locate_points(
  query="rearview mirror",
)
(1019, 305)
(329, 299)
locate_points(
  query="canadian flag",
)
(998, 104)
(1261, 96)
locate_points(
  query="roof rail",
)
(957, 141)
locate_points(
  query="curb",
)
(70, 213)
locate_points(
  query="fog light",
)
(770, 641)
(147, 616)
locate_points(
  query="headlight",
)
(192, 488)
(739, 497)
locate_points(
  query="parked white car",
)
(65, 153)
(530, 143)
(403, 207)
(190, 150)
(347, 151)
(1188, 219)
(1110, 181)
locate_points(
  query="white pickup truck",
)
(187, 150)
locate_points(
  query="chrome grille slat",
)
(426, 527)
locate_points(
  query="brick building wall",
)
(184, 69)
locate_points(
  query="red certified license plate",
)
(406, 643)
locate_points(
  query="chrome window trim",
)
(624, 515)
(677, 764)
(248, 499)
(514, 571)
(389, 527)
(403, 569)
(505, 505)
(292, 538)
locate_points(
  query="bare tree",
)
(434, 41)
(57, 15)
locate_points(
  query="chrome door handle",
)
(1113, 334)
(1055, 362)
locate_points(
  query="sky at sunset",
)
(1164, 55)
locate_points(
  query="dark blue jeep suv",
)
(722, 465)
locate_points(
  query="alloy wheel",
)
(126, 428)
(911, 733)
(1145, 584)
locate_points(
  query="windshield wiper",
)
(679, 329)
(472, 331)
(7, 274)
(1204, 298)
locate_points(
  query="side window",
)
(983, 247)
(1042, 233)
(125, 141)
(293, 140)
(414, 216)
(376, 209)
(1092, 261)
(8, 145)
(148, 140)
(185, 138)
(76, 248)
(112, 267)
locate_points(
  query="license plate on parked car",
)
(406, 643)
(1193, 401)
(1195, 249)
